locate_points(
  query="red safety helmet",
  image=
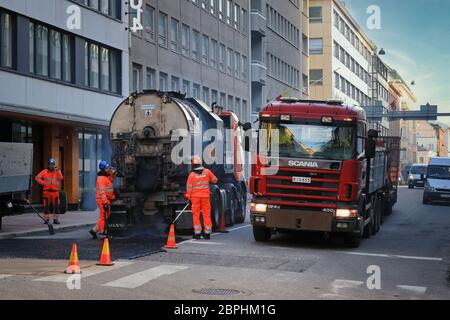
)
(196, 160)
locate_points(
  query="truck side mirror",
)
(247, 143)
(370, 148)
(372, 134)
(247, 126)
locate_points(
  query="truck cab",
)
(311, 172)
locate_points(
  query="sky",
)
(416, 37)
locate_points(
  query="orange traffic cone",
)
(222, 225)
(171, 243)
(74, 266)
(105, 258)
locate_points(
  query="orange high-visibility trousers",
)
(203, 205)
(51, 204)
(100, 226)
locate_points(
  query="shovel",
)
(51, 231)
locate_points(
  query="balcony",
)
(258, 23)
(259, 72)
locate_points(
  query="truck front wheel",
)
(261, 234)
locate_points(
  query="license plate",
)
(301, 180)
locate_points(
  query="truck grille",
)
(321, 192)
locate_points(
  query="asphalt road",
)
(408, 259)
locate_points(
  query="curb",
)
(32, 232)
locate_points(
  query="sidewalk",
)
(28, 223)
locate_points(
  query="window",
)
(244, 67)
(237, 16)
(213, 53)
(42, 50)
(55, 54)
(204, 4)
(212, 6)
(31, 45)
(195, 44)
(185, 40)
(174, 34)
(336, 80)
(67, 58)
(162, 81)
(186, 88)
(230, 103)
(316, 46)
(221, 9)
(336, 50)
(105, 6)
(6, 38)
(104, 67)
(223, 97)
(150, 79)
(336, 19)
(214, 96)
(162, 30)
(86, 63)
(237, 65)
(175, 84)
(222, 57)
(111, 8)
(230, 61)
(206, 95)
(229, 12)
(150, 22)
(116, 67)
(196, 91)
(315, 14)
(238, 107)
(244, 21)
(316, 77)
(136, 78)
(94, 80)
(205, 49)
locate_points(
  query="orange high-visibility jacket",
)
(198, 184)
(105, 190)
(49, 179)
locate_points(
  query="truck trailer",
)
(145, 131)
(16, 164)
(331, 174)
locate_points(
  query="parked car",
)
(437, 185)
(417, 175)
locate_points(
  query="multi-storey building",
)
(197, 47)
(279, 54)
(344, 62)
(60, 81)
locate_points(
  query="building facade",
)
(60, 82)
(279, 50)
(197, 47)
(344, 62)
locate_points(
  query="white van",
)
(437, 185)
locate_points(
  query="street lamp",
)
(381, 52)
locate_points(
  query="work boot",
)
(207, 236)
(93, 233)
(196, 236)
(56, 221)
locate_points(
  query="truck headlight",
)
(258, 207)
(346, 213)
(411, 177)
(429, 189)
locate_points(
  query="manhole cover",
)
(216, 292)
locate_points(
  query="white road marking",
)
(140, 278)
(202, 242)
(339, 284)
(86, 272)
(392, 256)
(3, 276)
(242, 227)
(413, 289)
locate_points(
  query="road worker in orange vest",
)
(49, 178)
(105, 194)
(197, 191)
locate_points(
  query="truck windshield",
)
(298, 140)
(439, 172)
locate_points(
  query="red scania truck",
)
(327, 172)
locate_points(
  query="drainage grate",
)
(216, 292)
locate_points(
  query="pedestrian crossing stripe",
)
(140, 278)
(3, 276)
(86, 272)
